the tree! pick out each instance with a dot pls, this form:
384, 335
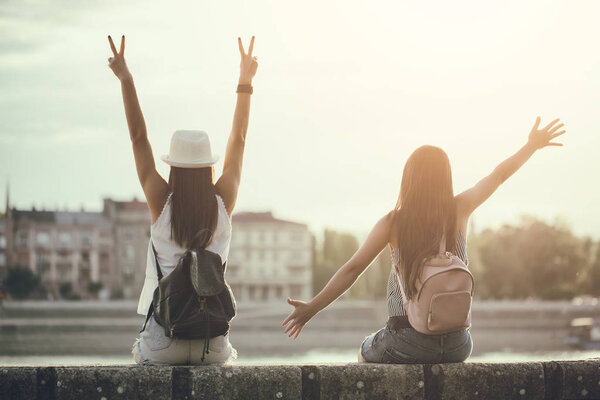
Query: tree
531, 259
94, 288
21, 282
337, 248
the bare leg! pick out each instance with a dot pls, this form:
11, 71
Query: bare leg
360, 357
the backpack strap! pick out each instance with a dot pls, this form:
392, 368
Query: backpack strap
160, 276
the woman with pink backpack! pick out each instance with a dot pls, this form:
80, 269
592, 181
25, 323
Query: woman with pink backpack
429, 288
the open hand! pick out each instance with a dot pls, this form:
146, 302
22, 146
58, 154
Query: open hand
117, 62
249, 64
540, 138
298, 318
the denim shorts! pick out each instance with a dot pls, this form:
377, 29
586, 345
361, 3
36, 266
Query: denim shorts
407, 346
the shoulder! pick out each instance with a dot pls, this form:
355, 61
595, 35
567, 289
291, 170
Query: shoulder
385, 224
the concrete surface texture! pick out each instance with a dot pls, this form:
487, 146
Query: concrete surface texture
536, 380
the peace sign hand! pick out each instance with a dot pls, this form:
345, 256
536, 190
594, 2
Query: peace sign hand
248, 65
540, 138
117, 62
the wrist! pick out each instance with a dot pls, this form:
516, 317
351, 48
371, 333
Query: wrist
314, 308
126, 78
244, 81
530, 147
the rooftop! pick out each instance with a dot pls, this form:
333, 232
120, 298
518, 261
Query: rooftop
262, 217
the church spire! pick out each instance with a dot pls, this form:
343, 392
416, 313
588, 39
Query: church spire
7, 199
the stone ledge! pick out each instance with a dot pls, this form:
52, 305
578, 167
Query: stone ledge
552, 380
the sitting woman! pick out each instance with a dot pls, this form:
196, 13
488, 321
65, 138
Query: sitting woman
188, 210
428, 221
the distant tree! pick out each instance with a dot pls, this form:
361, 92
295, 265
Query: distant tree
66, 291
337, 248
373, 282
21, 282
532, 259
591, 279
94, 288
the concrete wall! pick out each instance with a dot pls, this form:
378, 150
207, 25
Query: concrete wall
540, 380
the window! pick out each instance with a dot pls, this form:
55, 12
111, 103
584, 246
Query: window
2, 242
64, 239
128, 274
295, 291
86, 239
23, 238
43, 270
2, 259
42, 239
129, 252
42, 259
64, 272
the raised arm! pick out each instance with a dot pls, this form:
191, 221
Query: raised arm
155, 187
343, 279
229, 182
472, 198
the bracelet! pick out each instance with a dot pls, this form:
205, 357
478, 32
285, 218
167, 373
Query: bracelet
245, 89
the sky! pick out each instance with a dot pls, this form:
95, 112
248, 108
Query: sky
344, 92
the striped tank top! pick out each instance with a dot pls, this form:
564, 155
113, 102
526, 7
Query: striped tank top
394, 294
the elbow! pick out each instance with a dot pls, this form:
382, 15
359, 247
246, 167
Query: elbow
138, 137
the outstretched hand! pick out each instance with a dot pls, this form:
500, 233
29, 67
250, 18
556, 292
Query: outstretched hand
540, 138
117, 62
298, 318
248, 64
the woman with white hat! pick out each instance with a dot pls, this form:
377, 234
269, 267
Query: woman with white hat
188, 210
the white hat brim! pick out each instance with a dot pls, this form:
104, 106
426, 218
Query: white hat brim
190, 164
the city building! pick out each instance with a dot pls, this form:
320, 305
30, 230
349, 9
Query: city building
131, 231
5, 239
269, 258
104, 253
62, 247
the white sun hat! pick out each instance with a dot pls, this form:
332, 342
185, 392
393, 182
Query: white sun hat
190, 149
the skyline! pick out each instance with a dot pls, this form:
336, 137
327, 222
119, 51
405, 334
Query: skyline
344, 92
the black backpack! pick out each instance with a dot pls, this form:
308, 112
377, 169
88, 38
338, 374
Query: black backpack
193, 301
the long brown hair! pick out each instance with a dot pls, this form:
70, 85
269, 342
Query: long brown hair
425, 212
193, 206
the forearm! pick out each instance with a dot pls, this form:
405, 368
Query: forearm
341, 281
512, 164
133, 111
241, 117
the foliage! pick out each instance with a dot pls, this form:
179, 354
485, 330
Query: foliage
66, 291
94, 287
21, 282
533, 259
529, 259
337, 248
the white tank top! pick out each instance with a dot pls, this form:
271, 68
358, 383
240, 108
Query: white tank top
168, 251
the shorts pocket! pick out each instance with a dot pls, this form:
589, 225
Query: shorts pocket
394, 356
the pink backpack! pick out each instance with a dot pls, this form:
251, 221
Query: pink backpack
443, 300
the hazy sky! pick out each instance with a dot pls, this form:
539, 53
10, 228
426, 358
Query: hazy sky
345, 91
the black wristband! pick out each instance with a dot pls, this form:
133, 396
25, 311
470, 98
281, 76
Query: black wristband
245, 89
